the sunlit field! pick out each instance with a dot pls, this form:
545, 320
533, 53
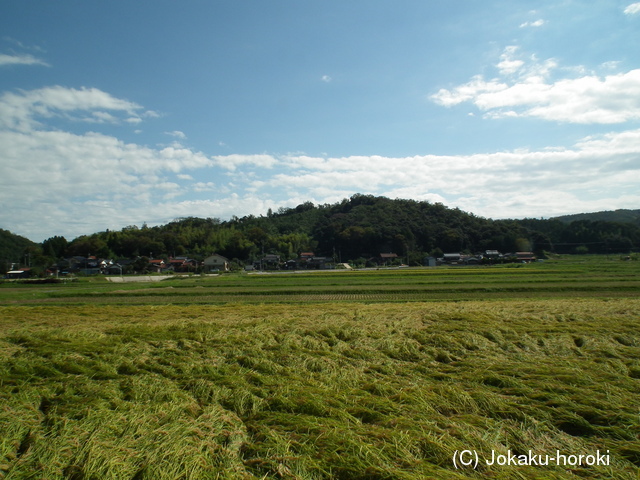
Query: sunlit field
337, 375
581, 276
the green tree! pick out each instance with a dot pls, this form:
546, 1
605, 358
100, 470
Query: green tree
89, 245
582, 250
55, 247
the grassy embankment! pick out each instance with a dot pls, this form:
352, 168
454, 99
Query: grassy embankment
322, 390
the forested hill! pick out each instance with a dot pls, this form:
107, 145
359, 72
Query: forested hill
362, 226
13, 248
619, 216
359, 227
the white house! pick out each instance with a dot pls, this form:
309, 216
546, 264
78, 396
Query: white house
216, 263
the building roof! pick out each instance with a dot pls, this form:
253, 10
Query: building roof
215, 255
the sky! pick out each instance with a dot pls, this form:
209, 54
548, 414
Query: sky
128, 113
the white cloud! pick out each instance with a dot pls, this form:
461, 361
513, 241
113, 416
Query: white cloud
21, 110
535, 23
232, 162
467, 92
225, 207
204, 186
101, 117
508, 64
23, 59
89, 182
62, 171
40, 169
611, 65
588, 99
177, 134
632, 9
595, 172
326, 78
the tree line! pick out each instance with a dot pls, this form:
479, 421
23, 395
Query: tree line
351, 230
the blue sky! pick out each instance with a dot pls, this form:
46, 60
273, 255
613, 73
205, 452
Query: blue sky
122, 113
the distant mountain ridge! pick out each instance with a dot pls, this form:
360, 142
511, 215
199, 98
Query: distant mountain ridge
618, 216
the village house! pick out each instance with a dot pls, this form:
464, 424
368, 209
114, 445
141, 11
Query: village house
525, 257
216, 263
320, 263
386, 259
291, 264
473, 260
86, 265
451, 258
182, 264
304, 259
156, 266
270, 262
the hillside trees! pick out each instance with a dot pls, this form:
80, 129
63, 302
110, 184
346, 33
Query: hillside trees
87, 245
596, 236
358, 227
12, 248
55, 247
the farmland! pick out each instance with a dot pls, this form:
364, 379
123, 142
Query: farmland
592, 276
326, 375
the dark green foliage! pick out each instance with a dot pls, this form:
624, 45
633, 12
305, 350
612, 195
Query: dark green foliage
582, 236
618, 216
362, 226
12, 248
55, 247
353, 230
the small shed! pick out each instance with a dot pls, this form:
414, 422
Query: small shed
430, 262
22, 273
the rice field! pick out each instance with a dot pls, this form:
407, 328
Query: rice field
321, 381
587, 276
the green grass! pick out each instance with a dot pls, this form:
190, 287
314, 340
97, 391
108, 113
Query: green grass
352, 375
593, 276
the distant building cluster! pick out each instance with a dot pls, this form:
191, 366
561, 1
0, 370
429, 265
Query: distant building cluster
92, 265
488, 257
